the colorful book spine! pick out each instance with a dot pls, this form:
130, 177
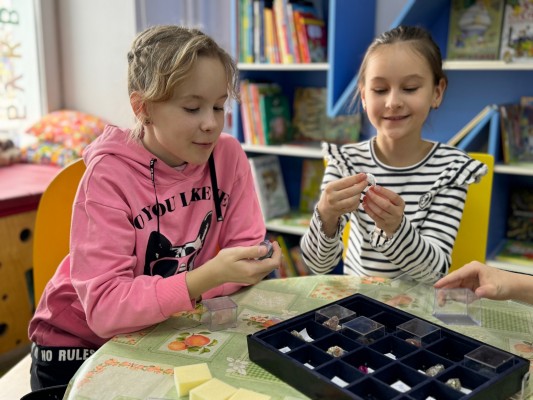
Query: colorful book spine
303, 46
258, 31
293, 35
245, 113
280, 12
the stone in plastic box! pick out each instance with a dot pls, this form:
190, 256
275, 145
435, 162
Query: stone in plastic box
221, 313
457, 306
342, 313
363, 329
418, 332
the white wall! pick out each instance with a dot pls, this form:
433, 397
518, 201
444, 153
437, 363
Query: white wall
95, 37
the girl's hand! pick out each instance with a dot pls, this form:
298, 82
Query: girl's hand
340, 197
385, 207
240, 264
233, 265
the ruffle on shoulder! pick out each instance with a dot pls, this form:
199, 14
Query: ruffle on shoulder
464, 172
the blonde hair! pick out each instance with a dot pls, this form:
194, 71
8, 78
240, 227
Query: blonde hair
421, 42
161, 57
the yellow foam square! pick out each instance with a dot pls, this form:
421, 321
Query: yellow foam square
213, 389
187, 377
245, 394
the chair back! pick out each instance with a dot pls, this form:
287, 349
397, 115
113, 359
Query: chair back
52, 225
471, 241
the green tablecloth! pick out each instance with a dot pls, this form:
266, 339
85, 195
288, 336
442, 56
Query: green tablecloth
140, 365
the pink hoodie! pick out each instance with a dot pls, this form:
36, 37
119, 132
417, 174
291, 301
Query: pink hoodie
128, 260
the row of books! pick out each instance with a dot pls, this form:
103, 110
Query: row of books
268, 117
272, 193
265, 113
516, 130
281, 31
274, 202
491, 30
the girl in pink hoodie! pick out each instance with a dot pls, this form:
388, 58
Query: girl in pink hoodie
165, 214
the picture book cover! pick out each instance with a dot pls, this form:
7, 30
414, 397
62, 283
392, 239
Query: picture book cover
520, 220
516, 126
275, 118
517, 31
312, 173
475, 29
257, 90
311, 123
516, 252
316, 35
269, 185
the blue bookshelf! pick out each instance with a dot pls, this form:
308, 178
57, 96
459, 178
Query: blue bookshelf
472, 86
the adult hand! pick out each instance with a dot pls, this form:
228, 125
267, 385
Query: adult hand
385, 208
484, 281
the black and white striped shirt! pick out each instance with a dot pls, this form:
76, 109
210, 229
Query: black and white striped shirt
434, 192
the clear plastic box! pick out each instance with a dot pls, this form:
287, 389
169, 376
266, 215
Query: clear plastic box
363, 329
458, 306
221, 313
334, 316
418, 333
487, 360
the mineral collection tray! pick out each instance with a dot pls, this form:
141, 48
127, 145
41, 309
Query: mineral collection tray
360, 348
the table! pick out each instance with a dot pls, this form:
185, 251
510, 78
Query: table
140, 365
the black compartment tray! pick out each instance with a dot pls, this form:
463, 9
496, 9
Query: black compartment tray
391, 367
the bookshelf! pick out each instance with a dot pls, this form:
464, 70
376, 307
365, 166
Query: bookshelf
487, 82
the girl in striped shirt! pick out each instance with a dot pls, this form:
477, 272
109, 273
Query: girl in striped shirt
402, 194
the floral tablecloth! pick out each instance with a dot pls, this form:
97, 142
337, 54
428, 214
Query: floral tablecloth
140, 365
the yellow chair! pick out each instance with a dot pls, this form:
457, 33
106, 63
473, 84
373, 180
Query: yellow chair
471, 241
52, 225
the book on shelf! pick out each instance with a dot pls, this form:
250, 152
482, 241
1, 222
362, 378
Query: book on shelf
515, 252
275, 118
297, 259
315, 36
520, 219
287, 263
474, 31
269, 185
312, 124
516, 122
271, 39
246, 113
312, 174
257, 91
259, 31
282, 31
517, 31
246, 40
465, 130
